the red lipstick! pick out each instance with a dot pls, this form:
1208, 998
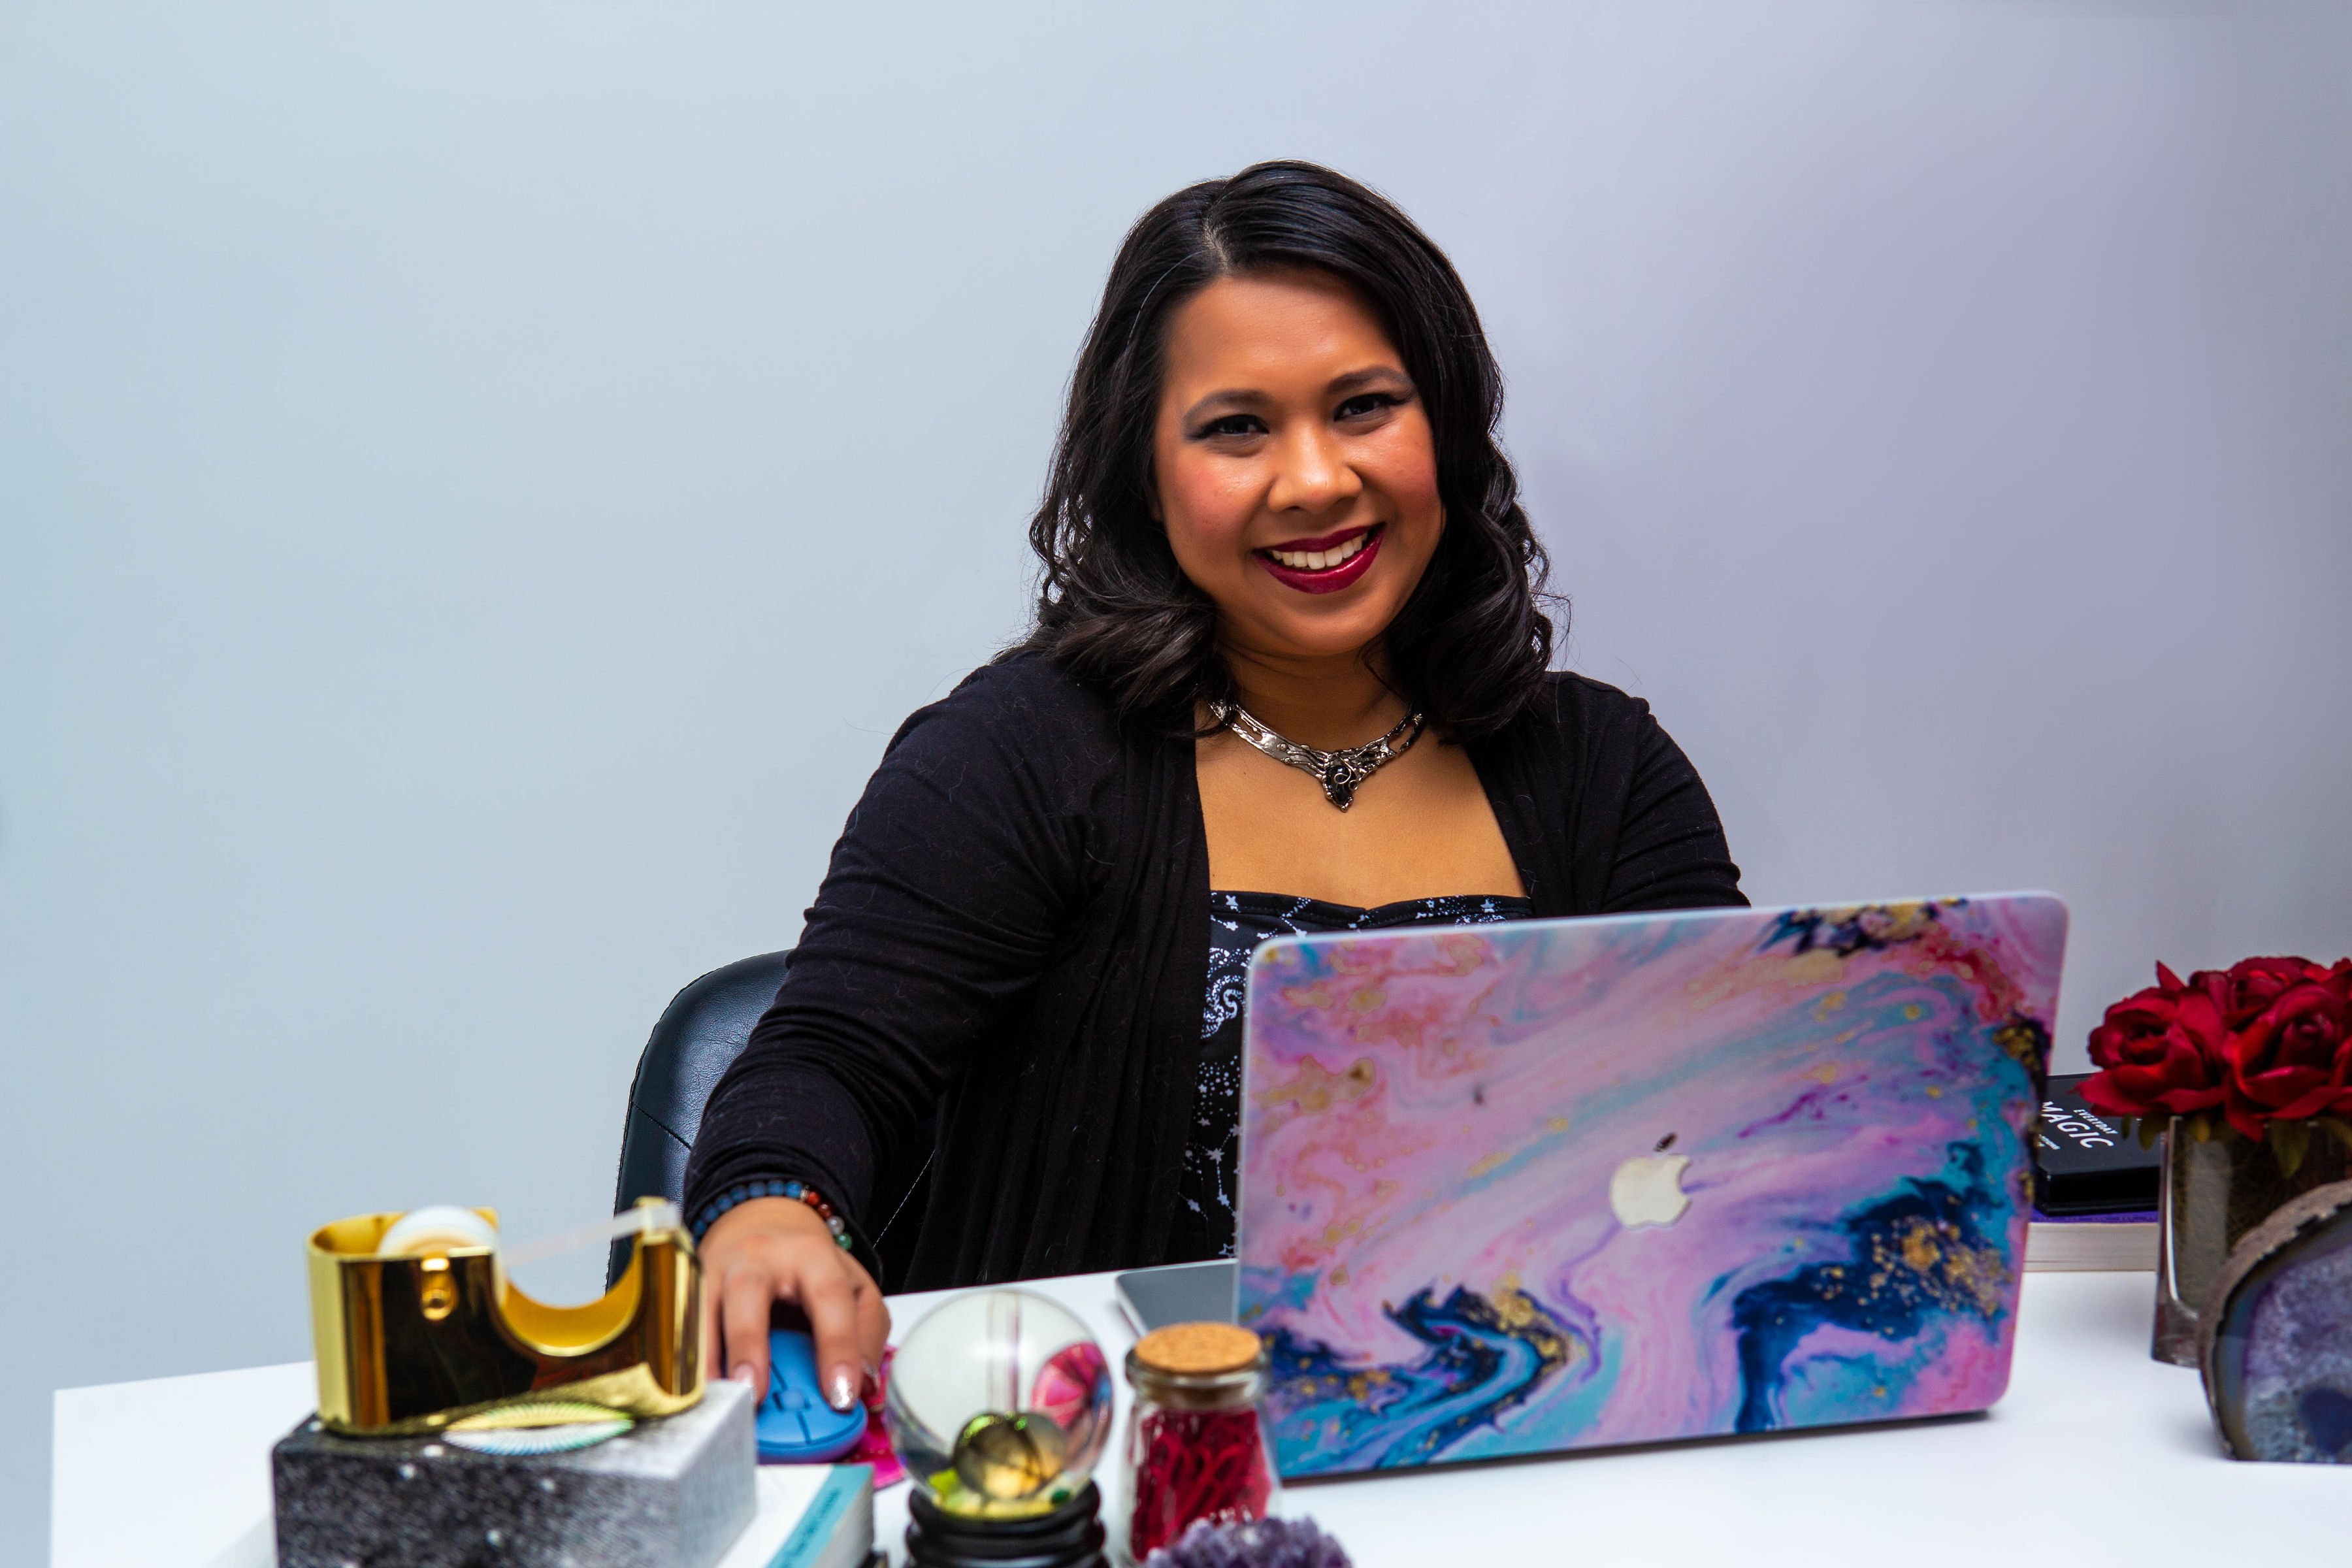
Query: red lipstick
1327, 579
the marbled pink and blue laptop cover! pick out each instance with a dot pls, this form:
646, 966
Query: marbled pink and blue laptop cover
1431, 1119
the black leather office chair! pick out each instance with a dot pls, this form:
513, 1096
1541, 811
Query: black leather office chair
698, 1038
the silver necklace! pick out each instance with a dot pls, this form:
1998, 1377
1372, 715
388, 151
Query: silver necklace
1340, 774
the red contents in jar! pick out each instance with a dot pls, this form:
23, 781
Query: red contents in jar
1196, 1464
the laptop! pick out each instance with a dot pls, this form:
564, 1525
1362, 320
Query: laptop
1556, 1185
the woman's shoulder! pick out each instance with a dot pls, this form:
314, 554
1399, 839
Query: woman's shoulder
1576, 710
1587, 730
1025, 689
1024, 710
1573, 693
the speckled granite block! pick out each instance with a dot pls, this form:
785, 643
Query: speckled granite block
668, 1494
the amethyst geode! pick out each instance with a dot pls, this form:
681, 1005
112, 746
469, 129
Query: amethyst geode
1260, 1543
2277, 1335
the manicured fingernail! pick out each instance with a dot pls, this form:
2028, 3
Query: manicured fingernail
842, 1391
742, 1373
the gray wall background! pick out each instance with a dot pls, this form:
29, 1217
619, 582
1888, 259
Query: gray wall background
479, 485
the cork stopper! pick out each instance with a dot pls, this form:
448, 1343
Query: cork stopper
1198, 1350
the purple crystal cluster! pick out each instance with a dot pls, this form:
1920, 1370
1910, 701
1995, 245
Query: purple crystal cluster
1260, 1543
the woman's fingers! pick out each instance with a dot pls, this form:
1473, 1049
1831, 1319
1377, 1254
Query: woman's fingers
778, 1249
749, 1289
830, 1300
873, 1322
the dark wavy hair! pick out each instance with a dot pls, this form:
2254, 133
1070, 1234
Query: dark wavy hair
1470, 645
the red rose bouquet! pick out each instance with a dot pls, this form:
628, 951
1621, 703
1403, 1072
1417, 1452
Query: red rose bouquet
2266, 1046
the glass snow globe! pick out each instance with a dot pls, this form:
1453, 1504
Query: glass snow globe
998, 1404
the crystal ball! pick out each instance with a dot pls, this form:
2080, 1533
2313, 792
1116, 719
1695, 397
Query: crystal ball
1000, 1403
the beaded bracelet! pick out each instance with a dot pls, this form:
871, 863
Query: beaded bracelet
744, 1192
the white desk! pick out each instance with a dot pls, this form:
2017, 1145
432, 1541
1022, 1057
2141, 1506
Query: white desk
2098, 1455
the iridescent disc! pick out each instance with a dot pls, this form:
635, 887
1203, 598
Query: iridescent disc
516, 1442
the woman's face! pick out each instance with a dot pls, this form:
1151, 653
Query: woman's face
1295, 470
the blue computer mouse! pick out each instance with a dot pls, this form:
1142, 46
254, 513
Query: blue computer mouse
795, 1423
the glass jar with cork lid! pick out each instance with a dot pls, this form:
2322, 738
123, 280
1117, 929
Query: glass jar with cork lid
1197, 1445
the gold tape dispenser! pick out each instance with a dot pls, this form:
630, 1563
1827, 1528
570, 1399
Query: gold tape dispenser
418, 1328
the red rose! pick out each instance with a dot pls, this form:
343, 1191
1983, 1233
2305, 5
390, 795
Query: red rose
2159, 1052
2245, 991
2293, 1060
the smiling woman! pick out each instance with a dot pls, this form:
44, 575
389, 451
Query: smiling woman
1289, 672
1283, 410
1283, 361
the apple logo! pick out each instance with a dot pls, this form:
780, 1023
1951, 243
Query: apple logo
1648, 1188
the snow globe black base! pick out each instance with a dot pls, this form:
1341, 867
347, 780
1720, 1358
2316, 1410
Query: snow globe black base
1069, 1537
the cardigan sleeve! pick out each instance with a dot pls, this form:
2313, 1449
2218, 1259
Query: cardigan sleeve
1615, 815
960, 870
1670, 852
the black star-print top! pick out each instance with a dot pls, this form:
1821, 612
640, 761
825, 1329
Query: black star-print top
1238, 923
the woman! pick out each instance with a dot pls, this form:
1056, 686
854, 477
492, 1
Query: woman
1289, 672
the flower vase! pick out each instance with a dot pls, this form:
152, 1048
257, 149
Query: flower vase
2215, 1189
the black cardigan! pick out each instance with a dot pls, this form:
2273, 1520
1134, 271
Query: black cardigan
1007, 960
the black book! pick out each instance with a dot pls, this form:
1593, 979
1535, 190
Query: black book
2088, 1162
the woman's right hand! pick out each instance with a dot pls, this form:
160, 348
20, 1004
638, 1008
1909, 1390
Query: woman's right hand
778, 1249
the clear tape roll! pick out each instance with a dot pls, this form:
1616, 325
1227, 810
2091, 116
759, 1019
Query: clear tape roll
437, 1227
446, 1228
